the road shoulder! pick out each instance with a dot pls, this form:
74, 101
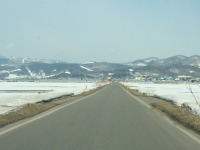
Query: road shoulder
149, 101
31, 112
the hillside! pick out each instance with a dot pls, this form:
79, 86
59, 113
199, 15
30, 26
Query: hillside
16, 68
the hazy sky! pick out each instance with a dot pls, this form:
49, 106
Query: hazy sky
99, 30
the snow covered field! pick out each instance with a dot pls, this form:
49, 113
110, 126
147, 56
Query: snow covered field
178, 93
14, 94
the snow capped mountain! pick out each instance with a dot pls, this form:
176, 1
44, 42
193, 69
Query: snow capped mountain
143, 62
24, 60
150, 59
18, 67
170, 61
192, 61
104, 66
4, 60
175, 60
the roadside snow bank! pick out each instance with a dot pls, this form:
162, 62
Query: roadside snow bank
178, 93
15, 94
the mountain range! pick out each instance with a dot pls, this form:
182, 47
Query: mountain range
17, 68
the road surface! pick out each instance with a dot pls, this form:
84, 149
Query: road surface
111, 119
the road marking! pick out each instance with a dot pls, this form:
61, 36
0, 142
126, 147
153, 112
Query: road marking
168, 120
188, 134
37, 117
182, 128
44, 114
137, 98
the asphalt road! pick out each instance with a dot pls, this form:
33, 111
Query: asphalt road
108, 120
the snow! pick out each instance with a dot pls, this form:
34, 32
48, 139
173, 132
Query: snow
178, 93
150, 60
141, 64
137, 64
131, 70
13, 100
130, 64
191, 71
5, 71
12, 76
29, 71
67, 72
6, 109
16, 70
86, 68
9, 65
15, 76
23, 60
90, 62
110, 74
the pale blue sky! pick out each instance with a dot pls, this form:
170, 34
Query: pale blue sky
99, 30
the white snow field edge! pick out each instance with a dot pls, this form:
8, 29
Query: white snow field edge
178, 93
11, 101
